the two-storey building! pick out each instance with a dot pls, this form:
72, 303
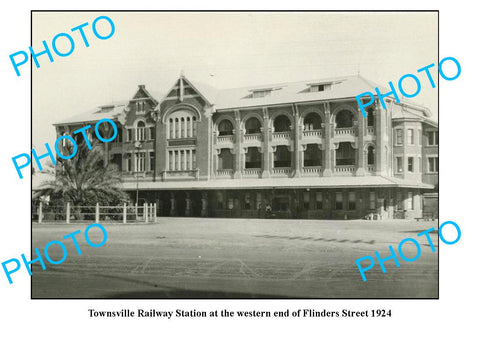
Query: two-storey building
292, 150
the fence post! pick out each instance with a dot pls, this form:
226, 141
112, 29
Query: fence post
124, 212
68, 212
155, 212
145, 212
97, 213
40, 212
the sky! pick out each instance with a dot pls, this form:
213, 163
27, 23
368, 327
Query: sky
225, 50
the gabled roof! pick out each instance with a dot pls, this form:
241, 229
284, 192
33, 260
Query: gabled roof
105, 111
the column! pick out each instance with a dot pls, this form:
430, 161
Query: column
380, 116
360, 151
238, 146
204, 212
266, 168
188, 204
328, 128
297, 132
173, 207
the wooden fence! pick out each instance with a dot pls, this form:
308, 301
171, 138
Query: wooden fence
146, 213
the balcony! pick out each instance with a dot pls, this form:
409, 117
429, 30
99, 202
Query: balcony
225, 139
371, 168
180, 174
349, 131
282, 172
344, 170
256, 137
312, 170
313, 134
370, 130
225, 173
282, 136
252, 173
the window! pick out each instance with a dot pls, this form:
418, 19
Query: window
338, 201
320, 87
152, 161
410, 137
372, 200
140, 162
151, 133
225, 128
409, 201
306, 200
312, 122
225, 160
370, 117
182, 127
433, 164
253, 158
140, 131
410, 164
261, 93
170, 129
140, 106
399, 164
128, 135
319, 200
351, 201
128, 162
282, 157
344, 119
171, 160
432, 138
177, 160
189, 154
189, 127
399, 137
312, 155
182, 159
252, 125
370, 155
281, 124
345, 154
194, 160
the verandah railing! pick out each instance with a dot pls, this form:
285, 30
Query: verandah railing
95, 213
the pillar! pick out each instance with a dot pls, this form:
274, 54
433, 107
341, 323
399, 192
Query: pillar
67, 213
361, 123
297, 136
173, 207
238, 146
188, 204
328, 128
204, 212
266, 167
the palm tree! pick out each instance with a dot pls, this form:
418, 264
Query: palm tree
83, 180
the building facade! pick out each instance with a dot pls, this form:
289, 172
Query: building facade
293, 150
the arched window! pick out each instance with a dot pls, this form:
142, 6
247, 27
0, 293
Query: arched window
371, 155
182, 124
140, 131
312, 122
189, 128
345, 154
281, 124
171, 128
252, 125
344, 119
225, 128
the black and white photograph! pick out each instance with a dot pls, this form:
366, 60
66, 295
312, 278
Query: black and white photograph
226, 155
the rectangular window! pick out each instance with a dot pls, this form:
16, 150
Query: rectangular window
128, 135
409, 201
182, 159
152, 161
338, 201
128, 162
140, 162
189, 152
432, 138
410, 137
410, 164
433, 164
319, 200
170, 161
399, 137
194, 160
171, 131
399, 164
372, 200
351, 201
306, 200
177, 160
